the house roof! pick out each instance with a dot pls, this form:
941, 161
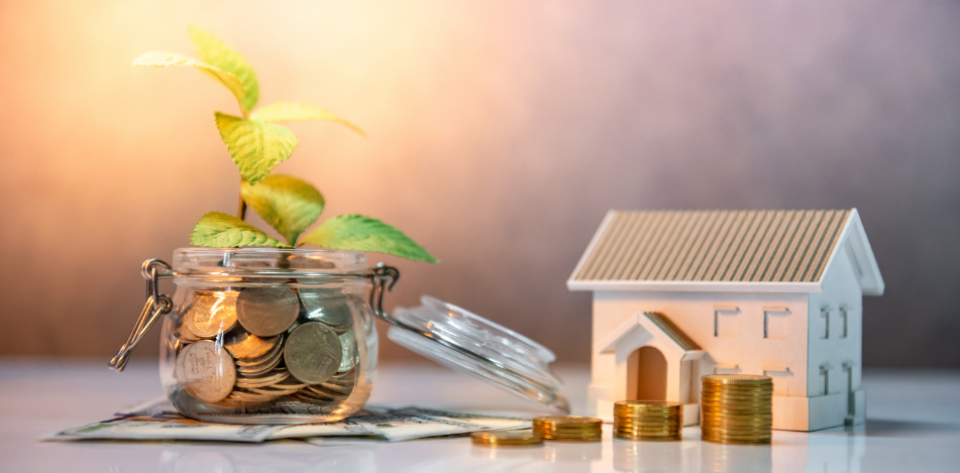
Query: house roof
658, 325
751, 250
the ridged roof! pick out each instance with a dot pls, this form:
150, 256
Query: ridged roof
727, 246
681, 339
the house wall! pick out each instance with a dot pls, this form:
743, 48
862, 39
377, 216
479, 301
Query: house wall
842, 353
783, 359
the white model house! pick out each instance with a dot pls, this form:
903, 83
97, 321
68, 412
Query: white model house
678, 295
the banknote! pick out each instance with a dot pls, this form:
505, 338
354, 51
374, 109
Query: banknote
158, 420
404, 424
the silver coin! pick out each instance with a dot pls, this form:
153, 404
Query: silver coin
262, 381
312, 353
182, 332
206, 371
267, 311
348, 341
326, 305
212, 312
262, 365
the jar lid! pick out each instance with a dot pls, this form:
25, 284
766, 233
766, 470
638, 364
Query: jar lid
473, 345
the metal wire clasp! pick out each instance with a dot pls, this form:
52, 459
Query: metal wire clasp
156, 305
384, 278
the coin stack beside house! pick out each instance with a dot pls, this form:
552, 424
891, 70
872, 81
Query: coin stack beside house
568, 428
647, 420
259, 344
736, 409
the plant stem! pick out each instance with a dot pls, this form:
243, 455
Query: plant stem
242, 209
241, 206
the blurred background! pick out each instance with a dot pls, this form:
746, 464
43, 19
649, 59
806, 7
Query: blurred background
499, 134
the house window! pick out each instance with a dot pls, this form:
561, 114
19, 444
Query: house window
726, 323
781, 375
775, 322
844, 319
726, 368
825, 317
825, 372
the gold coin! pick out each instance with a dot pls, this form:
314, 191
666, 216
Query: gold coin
729, 441
664, 431
738, 379
506, 439
642, 404
735, 437
748, 394
729, 395
737, 400
597, 438
742, 429
621, 425
313, 353
262, 381
206, 371
732, 425
212, 312
244, 345
267, 311
568, 421
734, 409
658, 417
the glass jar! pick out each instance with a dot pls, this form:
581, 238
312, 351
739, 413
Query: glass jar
284, 336
268, 336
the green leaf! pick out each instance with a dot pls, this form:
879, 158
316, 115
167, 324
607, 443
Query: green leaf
286, 203
168, 59
255, 146
356, 232
288, 111
219, 230
214, 51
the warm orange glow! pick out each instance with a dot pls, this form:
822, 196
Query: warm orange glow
499, 134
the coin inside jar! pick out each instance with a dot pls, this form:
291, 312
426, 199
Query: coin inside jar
212, 312
244, 345
206, 371
348, 341
326, 305
267, 311
313, 353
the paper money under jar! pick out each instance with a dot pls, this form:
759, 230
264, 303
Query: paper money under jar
158, 420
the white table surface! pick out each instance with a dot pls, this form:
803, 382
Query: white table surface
913, 425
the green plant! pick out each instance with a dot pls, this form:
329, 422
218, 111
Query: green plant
257, 144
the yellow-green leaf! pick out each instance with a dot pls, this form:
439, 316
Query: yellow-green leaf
356, 232
289, 111
168, 59
214, 51
286, 203
219, 230
255, 146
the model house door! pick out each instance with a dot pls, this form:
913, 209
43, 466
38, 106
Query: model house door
647, 374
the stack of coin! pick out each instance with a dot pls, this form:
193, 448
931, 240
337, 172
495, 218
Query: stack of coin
247, 347
570, 428
647, 420
506, 439
736, 408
